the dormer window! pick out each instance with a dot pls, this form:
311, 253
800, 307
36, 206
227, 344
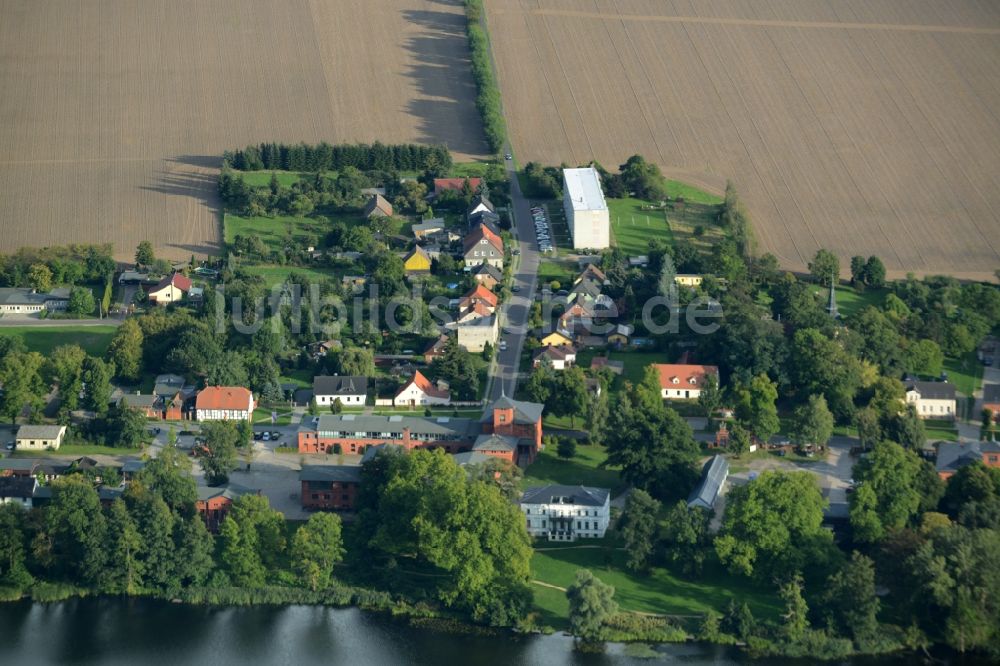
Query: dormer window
675, 380
693, 380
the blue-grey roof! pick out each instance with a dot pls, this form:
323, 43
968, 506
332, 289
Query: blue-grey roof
375, 450
932, 390
713, 476
19, 487
493, 442
340, 385
18, 464
557, 494
133, 466
953, 456
471, 458
230, 491
332, 473
524, 412
443, 426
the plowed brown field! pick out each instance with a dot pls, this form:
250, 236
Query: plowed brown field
862, 126
113, 113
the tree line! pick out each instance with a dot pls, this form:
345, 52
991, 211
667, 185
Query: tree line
471, 558
488, 91
326, 157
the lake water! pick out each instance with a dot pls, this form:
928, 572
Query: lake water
155, 633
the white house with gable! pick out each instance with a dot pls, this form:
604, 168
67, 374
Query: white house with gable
566, 513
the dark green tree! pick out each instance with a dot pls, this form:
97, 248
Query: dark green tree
316, 547
686, 538
638, 529
591, 602
850, 601
218, 454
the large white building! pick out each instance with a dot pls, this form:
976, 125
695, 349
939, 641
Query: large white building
586, 209
566, 513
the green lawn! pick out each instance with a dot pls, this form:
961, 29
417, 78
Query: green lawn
468, 169
582, 469
273, 274
274, 230
850, 301
285, 178
43, 339
632, 228
262, 416
661, 592
302, 378
553, 269
675, 189
965, 372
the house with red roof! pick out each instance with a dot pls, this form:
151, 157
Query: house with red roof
224, 403
479, 294
483, 246
457, 184
419, 391
169, 289
683, 381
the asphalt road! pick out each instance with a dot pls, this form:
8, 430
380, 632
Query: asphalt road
516, 312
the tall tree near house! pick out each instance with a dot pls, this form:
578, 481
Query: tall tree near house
825, 266
255, 512
40, 278
756, 408
218, 457
144, 255
591, 602
888, 488
81, 301
239, 553
13, 572
106, 297
710, 396
77, 528
638, 529
874, 273
869, 430
125, 350
97, 376
316, 547
65, 368
569, 394
857, 271
850, 600
653, 444
124, 574
773, 526
796, 616
907, 428
685, 537
20, 376
739, 441
812, 423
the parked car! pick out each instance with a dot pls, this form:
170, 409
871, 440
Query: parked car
275, 434
503, 345
9, 446
516, 288
257, 436
508, 156
266, 437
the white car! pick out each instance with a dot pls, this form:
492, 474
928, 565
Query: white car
503, 345
266, 437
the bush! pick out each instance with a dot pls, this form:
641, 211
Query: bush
566, 447
635, 627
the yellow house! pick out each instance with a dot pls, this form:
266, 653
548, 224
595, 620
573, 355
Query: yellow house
556, 339
417, 261
688, 280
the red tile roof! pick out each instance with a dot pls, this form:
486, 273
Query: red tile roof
442, 184
224, 397
425, 385
178, 280
686, 375
479, 294
480, 232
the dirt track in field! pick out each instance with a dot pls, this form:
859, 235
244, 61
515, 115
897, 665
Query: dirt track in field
865, 127
114, 112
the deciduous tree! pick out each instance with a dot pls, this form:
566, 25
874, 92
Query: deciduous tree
638, 529
591, 602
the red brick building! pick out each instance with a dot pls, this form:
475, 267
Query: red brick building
330, 486
214, 504
510, 429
